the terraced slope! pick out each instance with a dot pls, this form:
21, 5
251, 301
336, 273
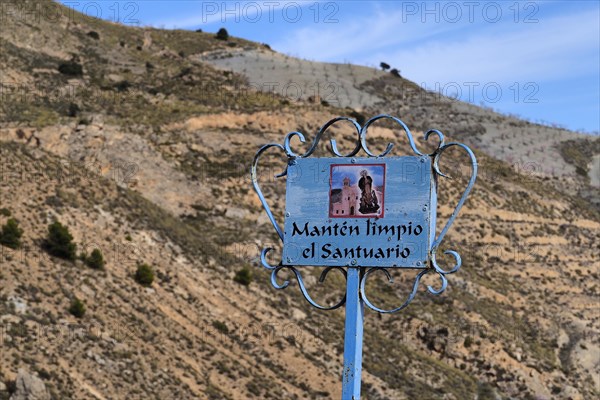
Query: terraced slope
155, 171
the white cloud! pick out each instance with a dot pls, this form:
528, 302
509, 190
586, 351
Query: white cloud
239, 11
504, 52
364, 34
558, 47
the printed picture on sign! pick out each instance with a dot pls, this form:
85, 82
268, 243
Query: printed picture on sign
357, 191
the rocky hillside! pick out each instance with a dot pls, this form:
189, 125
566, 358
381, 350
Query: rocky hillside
139, 141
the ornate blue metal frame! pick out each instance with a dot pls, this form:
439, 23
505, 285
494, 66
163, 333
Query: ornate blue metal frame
356, 276
361, 144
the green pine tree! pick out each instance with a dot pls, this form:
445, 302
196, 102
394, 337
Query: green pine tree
59, 241
144, 275
11, 234
77, 308
95, 260
222, 34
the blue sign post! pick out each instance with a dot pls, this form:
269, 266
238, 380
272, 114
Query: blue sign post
353, 336
359, 215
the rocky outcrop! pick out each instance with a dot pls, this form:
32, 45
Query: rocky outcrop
29, 387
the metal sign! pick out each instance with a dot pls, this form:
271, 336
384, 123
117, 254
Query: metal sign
360, 215
343, 212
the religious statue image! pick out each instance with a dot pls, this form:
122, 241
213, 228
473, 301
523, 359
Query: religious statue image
368, 199
357, 191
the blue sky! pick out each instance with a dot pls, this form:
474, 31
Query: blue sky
537, 59
353, 172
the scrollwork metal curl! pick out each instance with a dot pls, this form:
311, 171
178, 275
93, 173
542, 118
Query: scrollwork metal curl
433, 269
456, 267
436, 243
466, 192
441, 138
390, 146
410, 297
276, 268
263, 259
442, 273
317, 139
303, 289
254, 177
